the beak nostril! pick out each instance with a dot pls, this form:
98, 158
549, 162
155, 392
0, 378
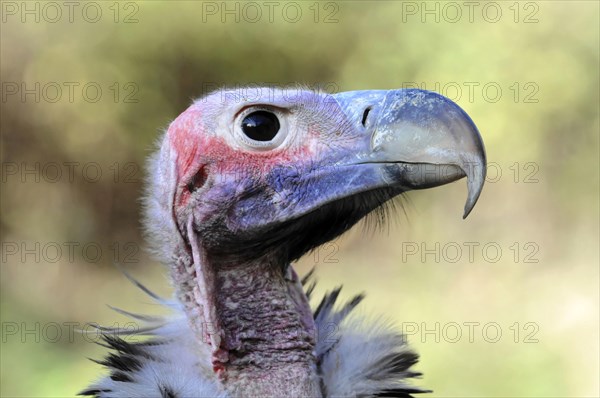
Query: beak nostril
365, 115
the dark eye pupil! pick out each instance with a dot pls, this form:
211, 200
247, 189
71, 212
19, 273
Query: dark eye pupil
260, 126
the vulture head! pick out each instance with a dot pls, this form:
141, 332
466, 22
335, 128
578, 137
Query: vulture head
247, 181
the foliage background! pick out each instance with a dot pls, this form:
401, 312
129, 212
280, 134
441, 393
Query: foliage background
175, 50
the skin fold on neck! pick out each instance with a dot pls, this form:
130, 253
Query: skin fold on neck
257, 321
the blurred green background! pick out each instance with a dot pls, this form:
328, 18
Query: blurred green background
526, 72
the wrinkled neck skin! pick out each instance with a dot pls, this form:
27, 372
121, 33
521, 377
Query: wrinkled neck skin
256, 319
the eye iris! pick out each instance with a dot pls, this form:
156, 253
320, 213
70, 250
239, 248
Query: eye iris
260, 126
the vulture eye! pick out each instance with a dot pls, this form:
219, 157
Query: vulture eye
260, 126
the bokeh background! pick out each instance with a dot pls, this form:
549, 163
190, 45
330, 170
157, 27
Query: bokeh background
73, 168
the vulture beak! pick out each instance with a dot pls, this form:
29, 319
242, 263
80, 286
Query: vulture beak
419, 139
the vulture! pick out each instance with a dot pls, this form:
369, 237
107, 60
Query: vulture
243, 183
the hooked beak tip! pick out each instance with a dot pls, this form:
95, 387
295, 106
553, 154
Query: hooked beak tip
475, 172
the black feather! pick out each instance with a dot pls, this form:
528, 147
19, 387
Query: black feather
395, 366
122, 377
166, 392
129, 349
401, 392
125, 361
95, 392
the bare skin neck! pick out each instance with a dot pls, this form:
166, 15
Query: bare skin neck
257, 321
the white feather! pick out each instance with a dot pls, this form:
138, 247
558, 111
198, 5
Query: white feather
182, 365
